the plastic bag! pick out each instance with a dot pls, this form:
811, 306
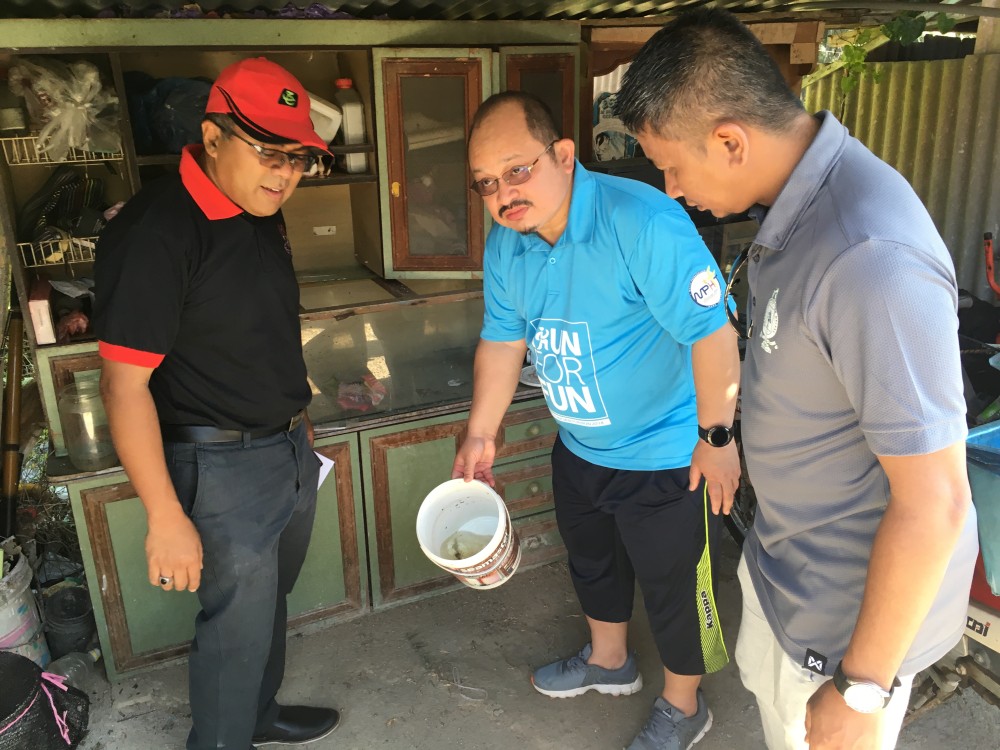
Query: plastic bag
167, 113
67, 104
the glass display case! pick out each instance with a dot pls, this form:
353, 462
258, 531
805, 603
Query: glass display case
390, 361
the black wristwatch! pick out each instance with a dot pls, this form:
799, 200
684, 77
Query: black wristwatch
864, 697
718, 436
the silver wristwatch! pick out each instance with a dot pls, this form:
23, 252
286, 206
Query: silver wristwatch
862, 696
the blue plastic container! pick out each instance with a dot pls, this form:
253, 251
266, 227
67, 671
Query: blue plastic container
984, 477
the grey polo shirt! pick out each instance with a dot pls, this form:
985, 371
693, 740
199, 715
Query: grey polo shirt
853, 355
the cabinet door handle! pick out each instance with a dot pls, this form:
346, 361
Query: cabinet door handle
395, 189
534, 488
535, 430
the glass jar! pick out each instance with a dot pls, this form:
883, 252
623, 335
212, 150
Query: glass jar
85, 427
12, 121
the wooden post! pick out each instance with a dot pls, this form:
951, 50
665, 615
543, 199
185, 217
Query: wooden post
12, 423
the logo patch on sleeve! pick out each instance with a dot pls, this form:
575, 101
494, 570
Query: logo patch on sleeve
705, 289
288, 98
815, 662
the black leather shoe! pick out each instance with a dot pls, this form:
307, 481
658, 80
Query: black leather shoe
297, 725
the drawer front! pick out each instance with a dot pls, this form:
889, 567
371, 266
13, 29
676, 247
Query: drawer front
526, 430
540, 540
526, 486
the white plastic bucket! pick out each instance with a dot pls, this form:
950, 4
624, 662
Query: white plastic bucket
20, 626
326, 117
464, 528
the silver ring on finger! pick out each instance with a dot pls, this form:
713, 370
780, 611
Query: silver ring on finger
166, 580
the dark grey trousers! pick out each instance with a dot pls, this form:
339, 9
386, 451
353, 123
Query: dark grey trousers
253, 504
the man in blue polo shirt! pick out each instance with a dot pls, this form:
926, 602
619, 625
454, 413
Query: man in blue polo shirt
609, 284
856, 573
205, 389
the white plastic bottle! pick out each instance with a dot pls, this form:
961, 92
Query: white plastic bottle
352, 126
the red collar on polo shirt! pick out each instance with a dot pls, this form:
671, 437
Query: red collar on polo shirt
212, 201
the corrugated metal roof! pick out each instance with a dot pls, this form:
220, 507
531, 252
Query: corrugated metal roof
416, 9
938, 123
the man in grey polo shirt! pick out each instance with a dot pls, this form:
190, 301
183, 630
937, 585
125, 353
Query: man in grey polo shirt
860, 561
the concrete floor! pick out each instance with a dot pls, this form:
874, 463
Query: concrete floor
451, 673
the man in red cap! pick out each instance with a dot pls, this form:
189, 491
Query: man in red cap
205, 388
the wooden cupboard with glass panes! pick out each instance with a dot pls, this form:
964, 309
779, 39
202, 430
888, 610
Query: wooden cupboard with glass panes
433, 225
404, 229
376, 300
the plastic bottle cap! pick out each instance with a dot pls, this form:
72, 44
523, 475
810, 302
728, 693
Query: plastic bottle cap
343, 83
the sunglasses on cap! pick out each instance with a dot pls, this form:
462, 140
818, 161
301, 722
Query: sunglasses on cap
273, 158
516, 175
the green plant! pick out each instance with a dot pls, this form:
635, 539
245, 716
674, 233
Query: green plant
854, 55
905, 28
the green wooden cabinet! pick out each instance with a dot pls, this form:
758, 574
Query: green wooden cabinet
402, 463
140, 625
548, 72
353, 537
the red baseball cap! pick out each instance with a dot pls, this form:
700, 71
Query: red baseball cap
266, 101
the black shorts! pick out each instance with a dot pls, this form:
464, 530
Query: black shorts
619, 525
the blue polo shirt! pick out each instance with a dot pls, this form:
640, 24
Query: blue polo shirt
610, 313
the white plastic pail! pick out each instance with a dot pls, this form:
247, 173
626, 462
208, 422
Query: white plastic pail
464, 528
20, 626
326, 117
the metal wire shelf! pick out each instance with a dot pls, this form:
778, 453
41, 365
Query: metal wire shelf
22, 150
57, 252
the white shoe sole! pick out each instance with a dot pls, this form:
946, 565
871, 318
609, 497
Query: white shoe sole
327, 733
632, 687
703, 732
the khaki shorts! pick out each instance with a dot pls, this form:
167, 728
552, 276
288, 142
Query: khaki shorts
782, 687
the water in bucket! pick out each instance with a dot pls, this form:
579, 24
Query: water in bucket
464, 544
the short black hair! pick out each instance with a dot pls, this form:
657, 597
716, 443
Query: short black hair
541, 123
702, 69
221, 120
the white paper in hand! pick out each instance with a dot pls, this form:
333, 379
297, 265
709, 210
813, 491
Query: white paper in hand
325, 464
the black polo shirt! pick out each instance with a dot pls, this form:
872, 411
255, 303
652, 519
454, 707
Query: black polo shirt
191, 285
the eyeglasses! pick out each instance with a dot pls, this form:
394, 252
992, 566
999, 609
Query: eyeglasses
743, 331
516, 175
270, 157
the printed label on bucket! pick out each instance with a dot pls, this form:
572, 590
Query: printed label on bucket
497, 568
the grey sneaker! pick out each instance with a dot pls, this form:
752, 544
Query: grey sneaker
669, 729
571, 677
